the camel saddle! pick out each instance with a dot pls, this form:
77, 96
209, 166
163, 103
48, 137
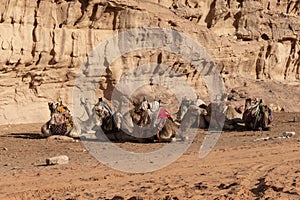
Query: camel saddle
58, 125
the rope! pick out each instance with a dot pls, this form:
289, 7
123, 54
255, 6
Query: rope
256, 117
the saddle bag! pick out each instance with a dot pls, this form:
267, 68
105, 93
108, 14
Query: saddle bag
58, 129
58, 125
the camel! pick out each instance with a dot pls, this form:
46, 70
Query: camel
215, 111
60, 123
257, 115
105, 124
198, 111
94, 121
110, 123
183, 108
132, 123
192, 108
194, 118
160, 123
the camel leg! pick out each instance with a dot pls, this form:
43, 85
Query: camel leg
228, 127
264, 123
181, 136
165, 137
168, 132
45, 131
72, 132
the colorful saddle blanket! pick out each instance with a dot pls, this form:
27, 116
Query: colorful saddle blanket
163, 114
58, 125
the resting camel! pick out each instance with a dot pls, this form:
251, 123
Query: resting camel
215, 111
96, 116
105, 124
204, 114
189, 108
194, 116
257, 115
154, 120
60, 123
110, 124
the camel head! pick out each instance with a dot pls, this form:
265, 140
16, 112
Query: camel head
52, 107
155, 105
102, 111
140, 113
144, 105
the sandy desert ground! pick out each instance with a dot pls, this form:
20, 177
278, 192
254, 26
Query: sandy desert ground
239, 167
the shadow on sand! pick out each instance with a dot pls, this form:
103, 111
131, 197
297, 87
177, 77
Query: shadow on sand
24, 135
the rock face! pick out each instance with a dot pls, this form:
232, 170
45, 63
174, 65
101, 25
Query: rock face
44, 43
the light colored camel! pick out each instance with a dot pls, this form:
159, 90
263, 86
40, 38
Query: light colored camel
215, 111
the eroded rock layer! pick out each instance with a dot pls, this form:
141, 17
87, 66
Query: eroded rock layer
45, 43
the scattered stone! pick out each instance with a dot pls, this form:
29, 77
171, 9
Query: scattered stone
117, 198
57, 160
276, 108
243, 95
4, 148
232, 97
285, 135
62, 138
234, 91
200, 186
263, 139
289, 134
222, 186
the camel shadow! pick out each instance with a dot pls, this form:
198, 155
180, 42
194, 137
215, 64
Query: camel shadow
236, 128
24, 135
115, 139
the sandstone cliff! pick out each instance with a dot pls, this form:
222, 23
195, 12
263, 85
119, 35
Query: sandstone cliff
44, 43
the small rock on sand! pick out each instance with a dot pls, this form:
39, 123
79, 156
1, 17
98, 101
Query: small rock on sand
61, 138
289, 134
57, 160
